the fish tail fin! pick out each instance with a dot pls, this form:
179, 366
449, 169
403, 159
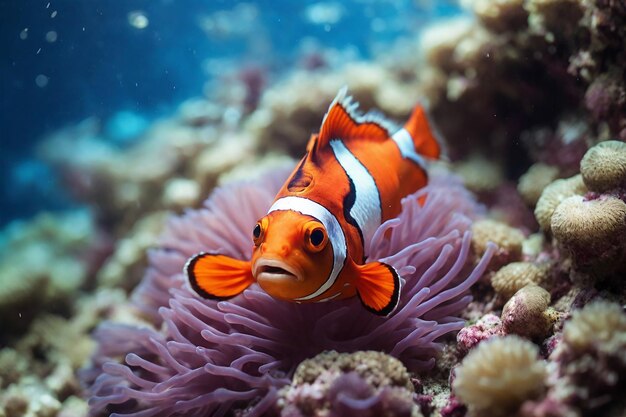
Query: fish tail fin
218, 276
424, 140
378, 287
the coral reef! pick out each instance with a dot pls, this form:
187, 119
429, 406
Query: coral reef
514, 276
590, 364
125, 266
532, 183
586, 214
527, 94
43, 263
593, 231
289, 112
485, 328
254, 342
364, 383
508, 240
553, 195
499, 375
603, 167
528, 314
38, 377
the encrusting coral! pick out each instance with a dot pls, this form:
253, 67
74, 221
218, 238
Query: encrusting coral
496, 377
362, 383
211, 356
485, 328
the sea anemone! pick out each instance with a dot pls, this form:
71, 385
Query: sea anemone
496, 377
206, 357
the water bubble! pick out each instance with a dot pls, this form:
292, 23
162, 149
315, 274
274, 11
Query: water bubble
324, 13
41, 80
53, 14
51, 36
138, 19
24, 34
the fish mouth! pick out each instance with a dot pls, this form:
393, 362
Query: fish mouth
273, 270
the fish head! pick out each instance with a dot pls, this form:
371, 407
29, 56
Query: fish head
292, 256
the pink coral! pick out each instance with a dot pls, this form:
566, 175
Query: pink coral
485, 328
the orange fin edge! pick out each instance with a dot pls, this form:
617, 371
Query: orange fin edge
378, 287
424, 139
343, 122
216, 276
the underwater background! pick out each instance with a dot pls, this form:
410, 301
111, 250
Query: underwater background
128, 64
135, 134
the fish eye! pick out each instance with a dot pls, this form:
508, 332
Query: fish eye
316, 237
256, 233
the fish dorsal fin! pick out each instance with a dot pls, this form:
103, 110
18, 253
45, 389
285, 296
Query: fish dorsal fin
343, 122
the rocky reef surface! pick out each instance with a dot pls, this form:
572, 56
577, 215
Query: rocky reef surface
529, 97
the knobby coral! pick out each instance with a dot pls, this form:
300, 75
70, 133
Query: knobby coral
499, 375
342, 384
208, 357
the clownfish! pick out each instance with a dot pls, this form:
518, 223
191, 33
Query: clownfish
310, 247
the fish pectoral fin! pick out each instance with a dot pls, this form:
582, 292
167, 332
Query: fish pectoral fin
378, 287
218, 276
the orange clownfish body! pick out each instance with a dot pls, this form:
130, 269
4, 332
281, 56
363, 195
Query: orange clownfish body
310, 245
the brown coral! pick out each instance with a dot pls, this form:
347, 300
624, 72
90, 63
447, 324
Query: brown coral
533, 182
512, 277
604, 166
499, 15
379, 368
500, 374
599, 323
593, 231
508, 239
591, 360
365, 383
528, 314
553, 195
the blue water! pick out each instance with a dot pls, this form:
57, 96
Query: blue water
62, 61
